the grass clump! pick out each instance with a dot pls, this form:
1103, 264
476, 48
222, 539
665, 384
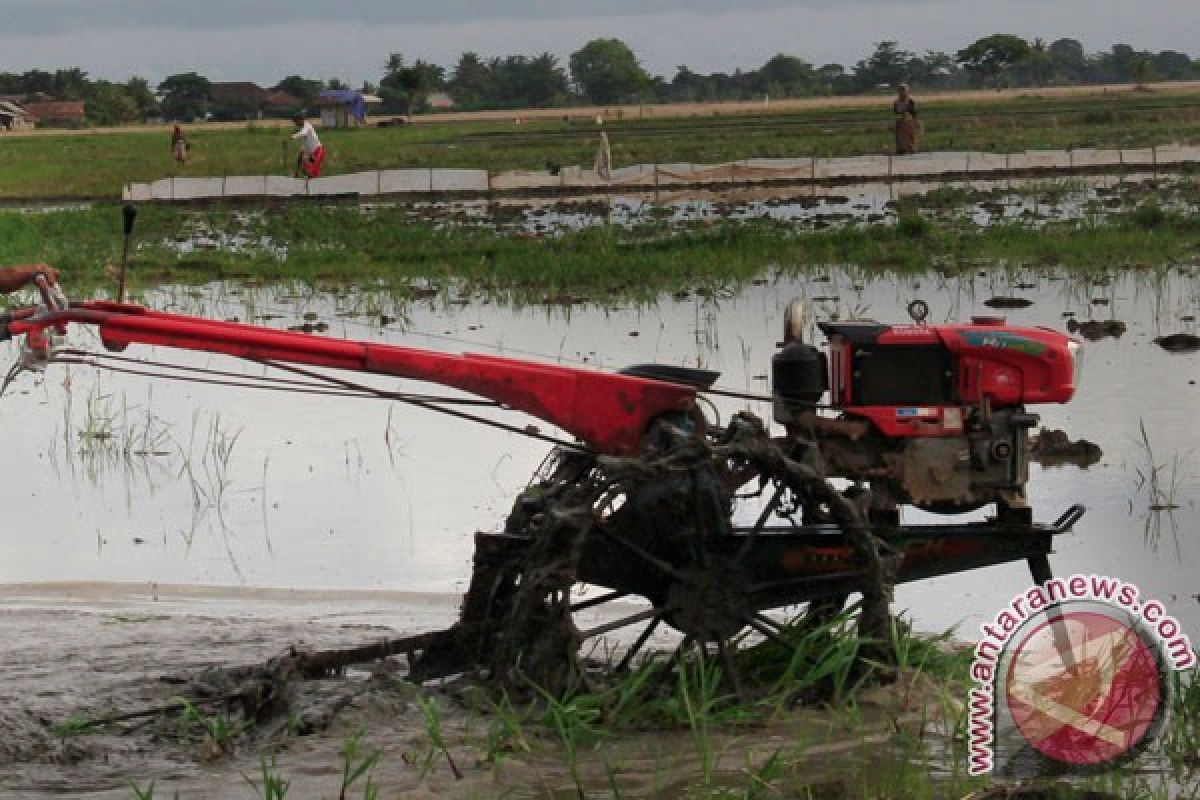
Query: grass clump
911, 225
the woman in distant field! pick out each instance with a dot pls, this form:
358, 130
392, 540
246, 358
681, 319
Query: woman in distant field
179, 145
312, 152
908, 128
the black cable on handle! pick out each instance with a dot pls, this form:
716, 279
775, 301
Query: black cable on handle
332, 387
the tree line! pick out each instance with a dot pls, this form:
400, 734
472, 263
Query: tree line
607, 71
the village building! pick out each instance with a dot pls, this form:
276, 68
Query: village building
345, 108
12, 116
57, 113
441, 101
249, 101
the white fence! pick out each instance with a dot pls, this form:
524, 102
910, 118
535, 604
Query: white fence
650, 176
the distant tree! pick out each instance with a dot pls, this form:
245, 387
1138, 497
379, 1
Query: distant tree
303, 89
139, 92
110, 104
1067, 60
536, 82
787, 76
1038, 63
185, 96
886, 67
404, 88
70, 84
935, 68
472, 84
1117, 65
336, 83
606, 70
1141, 68
687, 85
992, 56
36, 80
1173, 66
833, 78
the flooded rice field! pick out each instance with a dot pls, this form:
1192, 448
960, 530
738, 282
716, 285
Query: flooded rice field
982, 202
123, 478
1030, 203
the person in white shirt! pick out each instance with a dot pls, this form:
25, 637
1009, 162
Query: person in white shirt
312, 152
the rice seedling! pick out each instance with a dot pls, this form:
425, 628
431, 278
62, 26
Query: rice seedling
356, 764
1181, 741
76, 725
574, 720
1152, 477
431, 714
140, 793
761, 779
698, 696
506, 732
272, 785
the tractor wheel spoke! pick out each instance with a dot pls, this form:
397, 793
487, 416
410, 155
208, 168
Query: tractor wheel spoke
640, 552
621, 623
730, 669
639, 644
759, 524
598, 601
770, 623
766, 631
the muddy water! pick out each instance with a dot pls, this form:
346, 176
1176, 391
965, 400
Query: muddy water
127, 479
1031, 201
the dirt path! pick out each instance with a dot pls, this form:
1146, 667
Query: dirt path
76, 651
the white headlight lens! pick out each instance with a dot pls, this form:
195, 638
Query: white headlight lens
1076, 351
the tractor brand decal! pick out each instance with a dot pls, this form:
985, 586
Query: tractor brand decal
903, 413
1003, 340
1075, 675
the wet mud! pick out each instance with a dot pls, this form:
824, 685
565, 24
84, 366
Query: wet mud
81, 689
1094, 330
1054, 448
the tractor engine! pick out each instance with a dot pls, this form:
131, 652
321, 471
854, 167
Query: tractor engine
932, 416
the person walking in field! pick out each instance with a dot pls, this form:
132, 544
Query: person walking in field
179, 145
312, 152
908, 127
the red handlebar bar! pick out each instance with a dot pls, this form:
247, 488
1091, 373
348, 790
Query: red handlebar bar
610, 412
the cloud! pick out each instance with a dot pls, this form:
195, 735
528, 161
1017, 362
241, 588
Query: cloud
42, 17
351, 41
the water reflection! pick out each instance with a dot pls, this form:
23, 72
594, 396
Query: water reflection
122, 478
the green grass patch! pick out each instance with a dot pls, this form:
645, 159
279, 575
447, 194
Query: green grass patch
384, 247
99, 165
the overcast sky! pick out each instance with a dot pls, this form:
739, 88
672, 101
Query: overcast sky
264, 40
